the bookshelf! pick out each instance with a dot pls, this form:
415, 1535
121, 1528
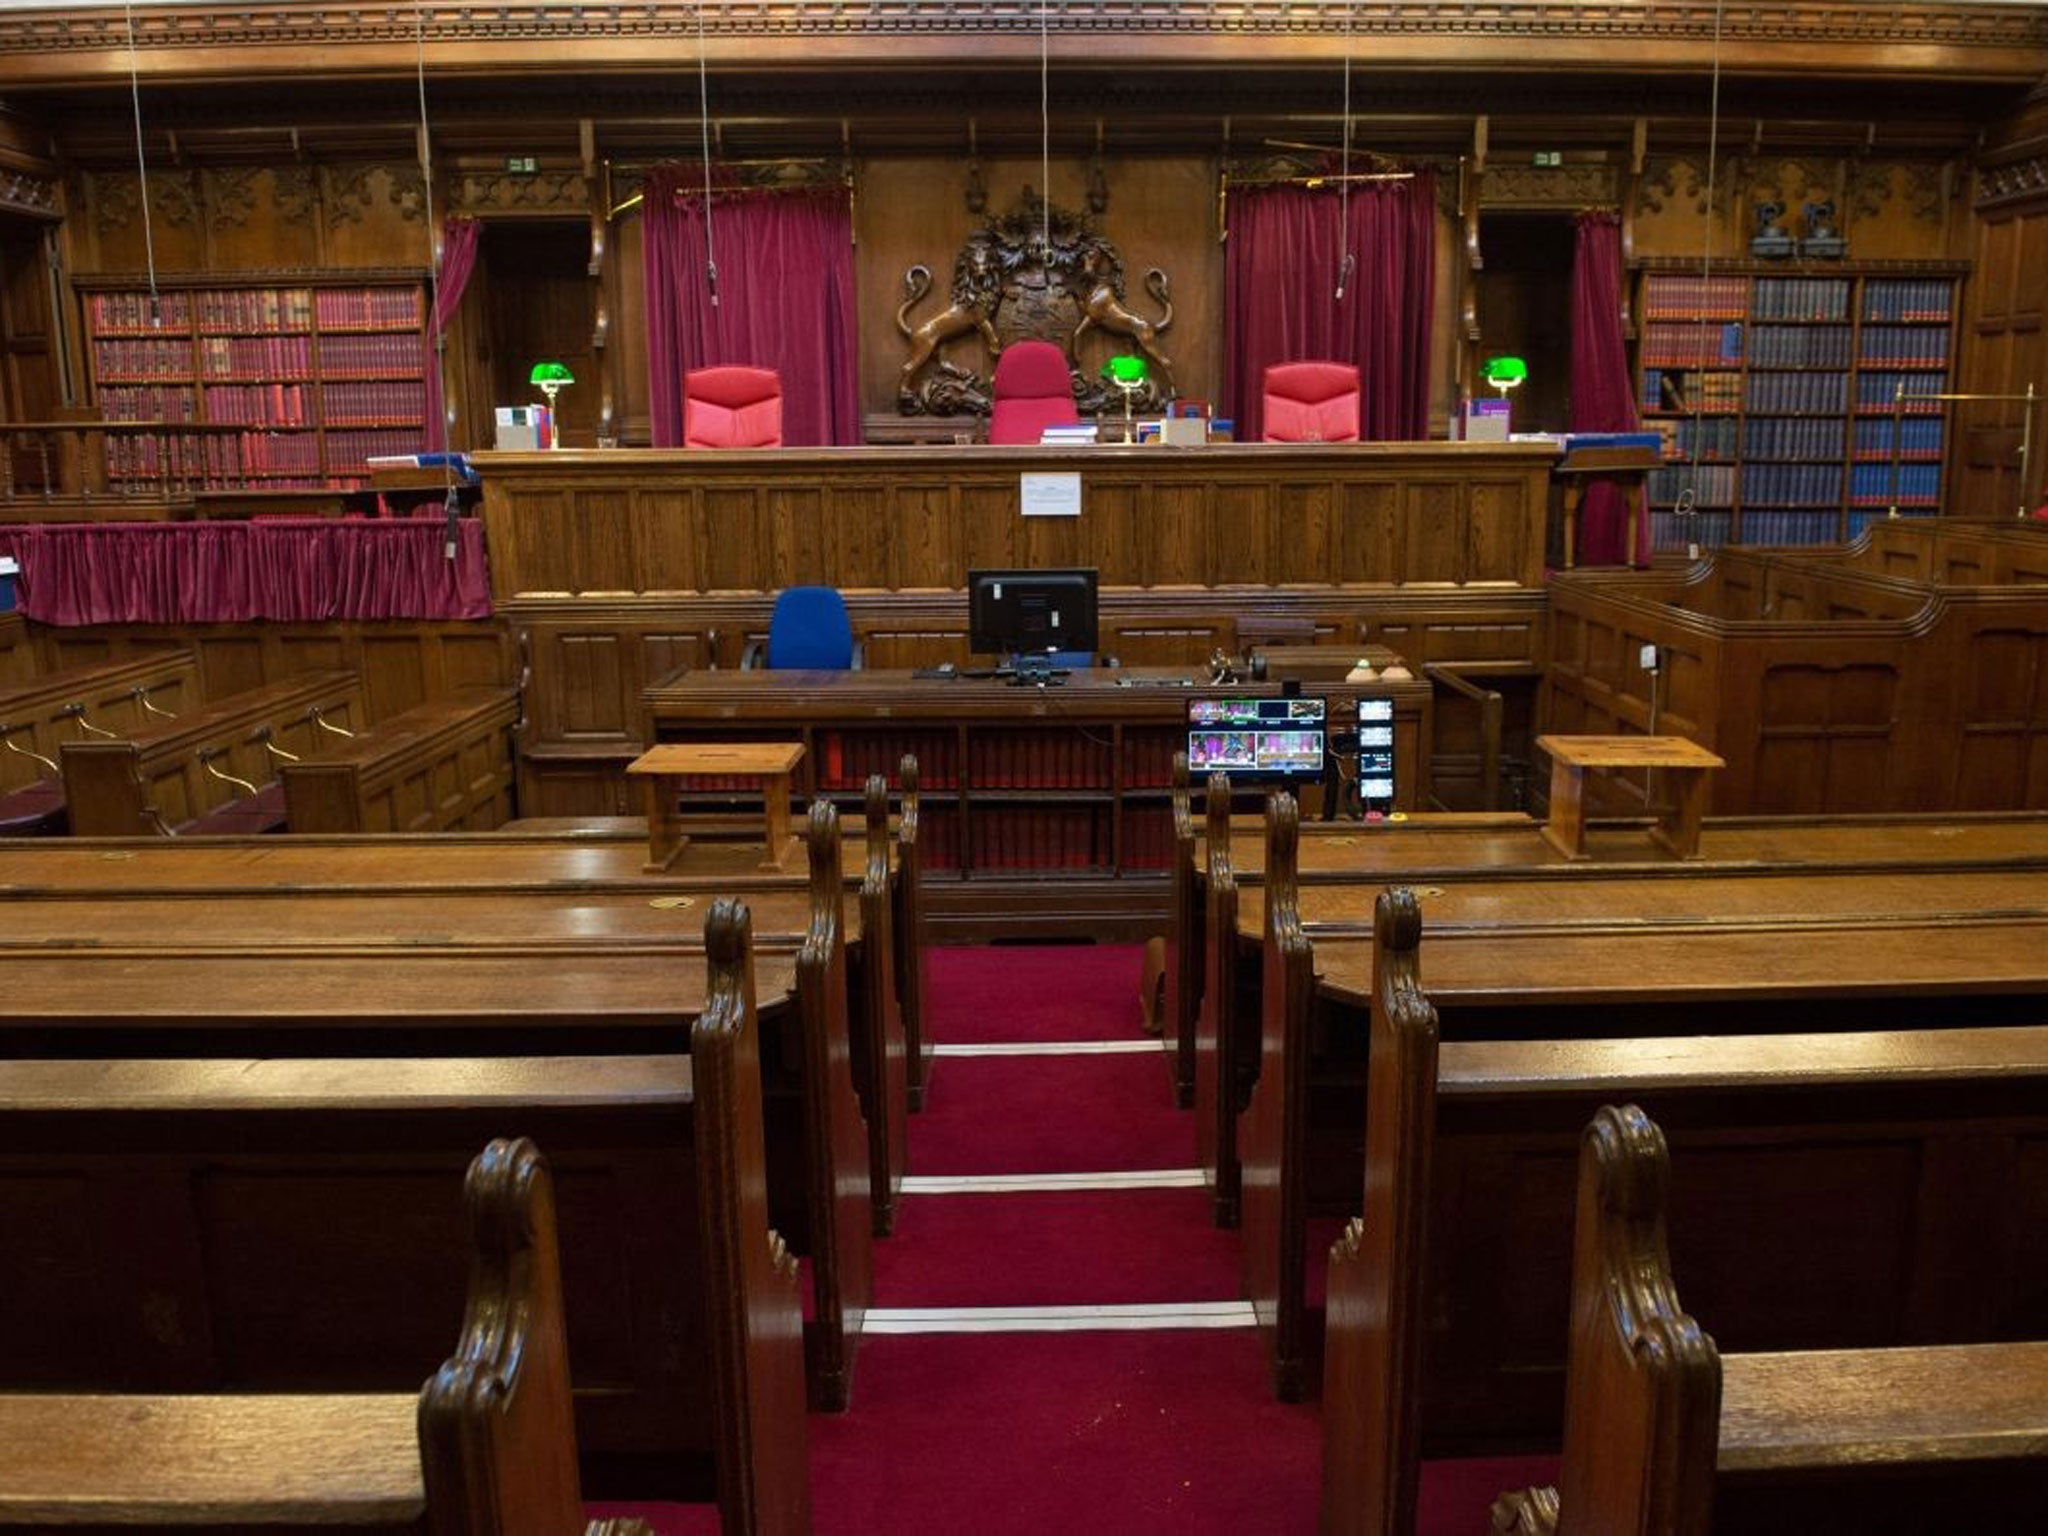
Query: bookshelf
1781, 378
283, 382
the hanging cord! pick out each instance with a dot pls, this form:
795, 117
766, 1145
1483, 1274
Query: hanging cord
1686, 509
1045, 132
704, 132
1344, 257
156, 314
450, 501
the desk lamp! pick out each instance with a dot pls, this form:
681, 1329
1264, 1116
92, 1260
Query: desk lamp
1127, 373
1505, 374
551, 379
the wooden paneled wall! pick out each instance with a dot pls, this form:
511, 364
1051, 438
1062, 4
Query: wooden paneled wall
2004, 350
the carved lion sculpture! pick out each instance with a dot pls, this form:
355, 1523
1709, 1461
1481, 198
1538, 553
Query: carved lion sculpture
1100, 289
977, 289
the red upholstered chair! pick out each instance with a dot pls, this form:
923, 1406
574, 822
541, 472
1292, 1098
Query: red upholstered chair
1311, 403
1033, 391
732, 407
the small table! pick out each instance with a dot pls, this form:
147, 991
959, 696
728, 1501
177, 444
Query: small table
1677, 829
667, 769
1627, 467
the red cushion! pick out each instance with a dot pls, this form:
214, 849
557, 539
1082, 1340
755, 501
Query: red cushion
1033, 390
732, 407
1311, 402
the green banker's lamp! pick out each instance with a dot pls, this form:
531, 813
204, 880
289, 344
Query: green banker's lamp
1127, 373
551, 379
1505, 374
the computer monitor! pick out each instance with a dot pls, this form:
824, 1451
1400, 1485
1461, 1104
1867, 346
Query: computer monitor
1030, 613
1265, 740
1376, 756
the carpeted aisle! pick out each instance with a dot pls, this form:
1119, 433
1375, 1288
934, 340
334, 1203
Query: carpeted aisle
1152, 1419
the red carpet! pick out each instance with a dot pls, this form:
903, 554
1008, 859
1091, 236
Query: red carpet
1050, 1114
1142, 1434
1041, 1249
1025, 992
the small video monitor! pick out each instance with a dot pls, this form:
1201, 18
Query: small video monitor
1031, 613
1270, 740
1376, 756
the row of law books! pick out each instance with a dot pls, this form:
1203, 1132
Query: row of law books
114, 312
1707, 392
351, 450
1792, 437
268, 405
1710, 437
262, 454
1871, 485
846, 759
138, 359
368, 308
1918, 345
1798, 393
1148, 755
147, 402
345, 404
1676, 297
1148, 837
1799, 346
1791, 485
1038, 760
251, 357
1779, 525
1669, 344
1712, 485
254, 309
1906, 392
397, 356
1892, 298
1800, 298
1039, 837
1673, 531
1918, 437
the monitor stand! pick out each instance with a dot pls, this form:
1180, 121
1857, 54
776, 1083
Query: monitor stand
1032, 672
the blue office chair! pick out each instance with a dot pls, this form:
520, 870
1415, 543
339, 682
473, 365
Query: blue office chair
810, 631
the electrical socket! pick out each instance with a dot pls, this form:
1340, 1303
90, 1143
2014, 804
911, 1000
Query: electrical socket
1648, 658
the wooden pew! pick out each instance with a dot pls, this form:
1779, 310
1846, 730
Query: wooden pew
179, 771
1665, 1435
487, 1446
881, 1053
918, 1044
39, 716
1185, 953
467, 974
1447, 1298
1216, 1038
316, 1193
442, 766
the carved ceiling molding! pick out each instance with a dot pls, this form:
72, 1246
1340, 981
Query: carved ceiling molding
230, 192
1549, 186
1975, 29
2016, 181
25, 192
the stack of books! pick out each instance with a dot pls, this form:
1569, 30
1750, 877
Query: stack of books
1078, 435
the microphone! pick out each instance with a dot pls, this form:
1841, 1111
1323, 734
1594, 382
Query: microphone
1344, 270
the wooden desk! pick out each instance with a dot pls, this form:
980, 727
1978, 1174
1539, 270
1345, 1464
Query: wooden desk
1678, 828
667, 770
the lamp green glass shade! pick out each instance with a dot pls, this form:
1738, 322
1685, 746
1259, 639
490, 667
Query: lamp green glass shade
1504, 371
1124, 370
551, 373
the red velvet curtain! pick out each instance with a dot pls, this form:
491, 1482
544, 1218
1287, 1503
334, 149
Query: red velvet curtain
1603, 399
785, 301
287, 568
1280, 296
459, 239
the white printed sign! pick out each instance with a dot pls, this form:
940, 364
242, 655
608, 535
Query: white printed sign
1051, 495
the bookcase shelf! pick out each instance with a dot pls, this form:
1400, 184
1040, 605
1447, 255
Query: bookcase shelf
281, 380
1779, 381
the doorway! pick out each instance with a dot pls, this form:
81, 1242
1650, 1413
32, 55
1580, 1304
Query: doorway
1525, 311
539, 304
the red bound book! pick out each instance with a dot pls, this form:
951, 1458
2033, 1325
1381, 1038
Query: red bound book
835, 759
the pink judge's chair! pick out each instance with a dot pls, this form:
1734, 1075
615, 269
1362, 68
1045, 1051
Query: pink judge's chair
1033, 391
732, 407
1311, 403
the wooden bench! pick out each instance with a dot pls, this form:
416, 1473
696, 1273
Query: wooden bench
39, 716
467, 974
1302, 1133
1666, 1434
1684, 764
1448, 1300
488, 1445
177, 771
318, 1193
442, 766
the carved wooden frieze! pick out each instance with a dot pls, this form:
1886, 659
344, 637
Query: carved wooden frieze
1549, 186
230, 193
26, 192
1671, 180
2015, 181
1036, 273
353, 189
485, 192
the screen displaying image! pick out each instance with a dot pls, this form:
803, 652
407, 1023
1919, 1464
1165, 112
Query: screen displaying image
1275, 738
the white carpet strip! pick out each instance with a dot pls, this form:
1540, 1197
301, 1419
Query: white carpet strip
1036, 1183
1052, 1048
1065, 1319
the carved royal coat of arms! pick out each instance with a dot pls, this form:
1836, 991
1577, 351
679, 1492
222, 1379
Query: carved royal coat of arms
1031, 273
